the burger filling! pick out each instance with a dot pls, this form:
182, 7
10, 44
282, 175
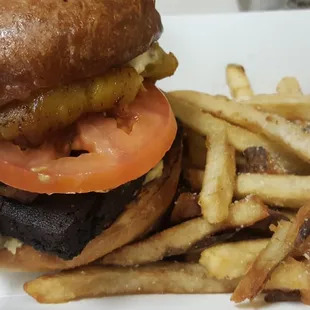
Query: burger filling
72, 158
11, 244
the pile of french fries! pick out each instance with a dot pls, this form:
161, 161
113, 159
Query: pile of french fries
243, 224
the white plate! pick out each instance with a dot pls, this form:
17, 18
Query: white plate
178, 7
270, 46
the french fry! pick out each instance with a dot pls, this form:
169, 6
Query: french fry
193, 255
241, 139
186, 207
221, 97
303, 250
218, 183
99, 281
292, 279
159, 278
273, 296
183, 237
286, 237
289, 85
285, 105
267, 260
278, 190
231, 260
304, 124
273, 126
238, 82
290, 275
291, 107
305, 296
258, 160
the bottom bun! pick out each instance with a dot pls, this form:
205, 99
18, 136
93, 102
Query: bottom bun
141, 214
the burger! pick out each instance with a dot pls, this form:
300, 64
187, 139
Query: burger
89, 147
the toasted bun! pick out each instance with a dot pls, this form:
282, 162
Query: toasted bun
46, 43
139, 216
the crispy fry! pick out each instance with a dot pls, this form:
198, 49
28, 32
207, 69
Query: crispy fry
304, 124
159, 278
279, 190
258, 160
282, 191
292, 278
291, 106
231, 260
186, 207
289, 85
303, 250
96, 281
273, 126
264, 264
218, 183
183, 237
290, 275
305, 296
222, 97
281, 296
286, 237
239, 138
193, 255
238, 82
283, 104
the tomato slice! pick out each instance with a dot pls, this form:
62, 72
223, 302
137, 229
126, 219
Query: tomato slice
115, 156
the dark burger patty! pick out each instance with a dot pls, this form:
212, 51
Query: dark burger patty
64, 224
